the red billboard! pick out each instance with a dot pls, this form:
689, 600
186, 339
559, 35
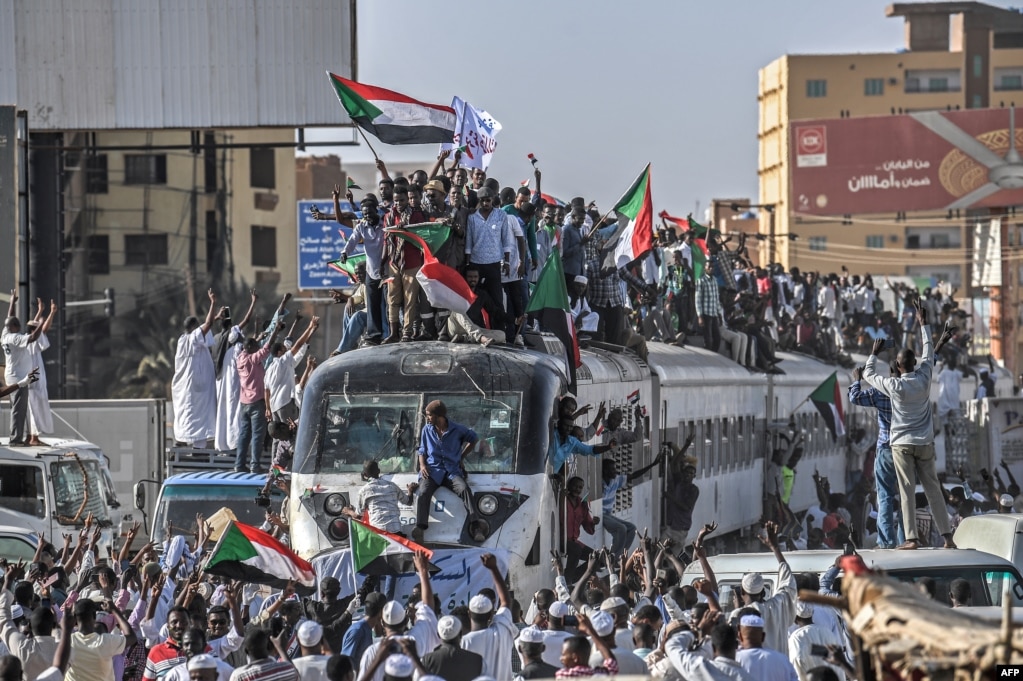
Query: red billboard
928, 160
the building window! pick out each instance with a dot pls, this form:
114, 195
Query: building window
145, 249
264, 246
145, 169
261, 168
978, 102
873, 87
818, 243
816, 88
98, 248
875, 241
937, 85
96, 181
978, 65
1010, 83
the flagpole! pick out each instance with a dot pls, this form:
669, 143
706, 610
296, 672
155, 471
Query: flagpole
357, 127
798, 406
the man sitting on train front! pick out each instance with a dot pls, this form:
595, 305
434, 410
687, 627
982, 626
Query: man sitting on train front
442, 446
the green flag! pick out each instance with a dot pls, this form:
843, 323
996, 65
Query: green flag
434, 234
348, 267
701, 232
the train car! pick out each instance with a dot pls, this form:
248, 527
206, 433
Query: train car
368, 404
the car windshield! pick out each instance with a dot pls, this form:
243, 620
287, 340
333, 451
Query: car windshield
179, 503
71, 478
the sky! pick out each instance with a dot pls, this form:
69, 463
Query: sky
596, 89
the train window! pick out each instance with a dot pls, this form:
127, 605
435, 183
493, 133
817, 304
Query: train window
361, 427
725, 443
710, 436
495, 419
740, 441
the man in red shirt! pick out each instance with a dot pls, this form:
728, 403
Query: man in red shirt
254, 411
576, 514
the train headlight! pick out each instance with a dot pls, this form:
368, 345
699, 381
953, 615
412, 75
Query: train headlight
334, 504
338, 529
487, 504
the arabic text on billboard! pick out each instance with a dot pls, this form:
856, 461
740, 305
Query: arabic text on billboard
929, 160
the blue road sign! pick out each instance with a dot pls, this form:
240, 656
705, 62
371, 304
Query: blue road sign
320, 242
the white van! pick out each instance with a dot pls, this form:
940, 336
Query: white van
985, 572
1000, 534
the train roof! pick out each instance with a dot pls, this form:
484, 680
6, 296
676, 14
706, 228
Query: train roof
697, 366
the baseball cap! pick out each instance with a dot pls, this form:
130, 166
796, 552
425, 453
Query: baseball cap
603, 623
310, 633
436, 185
753, 583
394, 613
399, 665
480, 605
484, 193
558, 609
448, 628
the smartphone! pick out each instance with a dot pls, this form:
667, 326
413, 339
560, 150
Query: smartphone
662, 575
51, 579
819, 651
889, 344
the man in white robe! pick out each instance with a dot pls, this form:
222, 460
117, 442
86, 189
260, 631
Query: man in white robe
40, 419
226, 346
193, 389
585, 319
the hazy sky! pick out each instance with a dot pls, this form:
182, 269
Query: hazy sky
598, 88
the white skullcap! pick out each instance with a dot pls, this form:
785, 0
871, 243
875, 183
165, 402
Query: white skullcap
310, 633
531, 635
612, 603
1006, 500
480, 605
754, 621
394, 613
753, 583
449, 627
804, 610
399, 665
17, 612
558, 609
603, 623
202, 662
580, 279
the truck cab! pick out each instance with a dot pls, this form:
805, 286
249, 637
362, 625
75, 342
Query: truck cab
183, 495
51, 490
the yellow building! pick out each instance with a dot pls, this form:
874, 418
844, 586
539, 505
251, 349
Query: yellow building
164, 214
957, 55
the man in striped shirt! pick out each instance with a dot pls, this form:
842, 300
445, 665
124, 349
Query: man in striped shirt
170, 653
488, 244
575, 654
262, 667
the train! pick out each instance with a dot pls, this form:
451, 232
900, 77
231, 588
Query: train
368, 404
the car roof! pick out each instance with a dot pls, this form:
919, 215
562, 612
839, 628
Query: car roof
14, 529
217, 478
821, 560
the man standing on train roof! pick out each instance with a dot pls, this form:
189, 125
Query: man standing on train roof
443, 445
912, 434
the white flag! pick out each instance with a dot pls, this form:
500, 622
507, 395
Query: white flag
458, 105
476, 133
